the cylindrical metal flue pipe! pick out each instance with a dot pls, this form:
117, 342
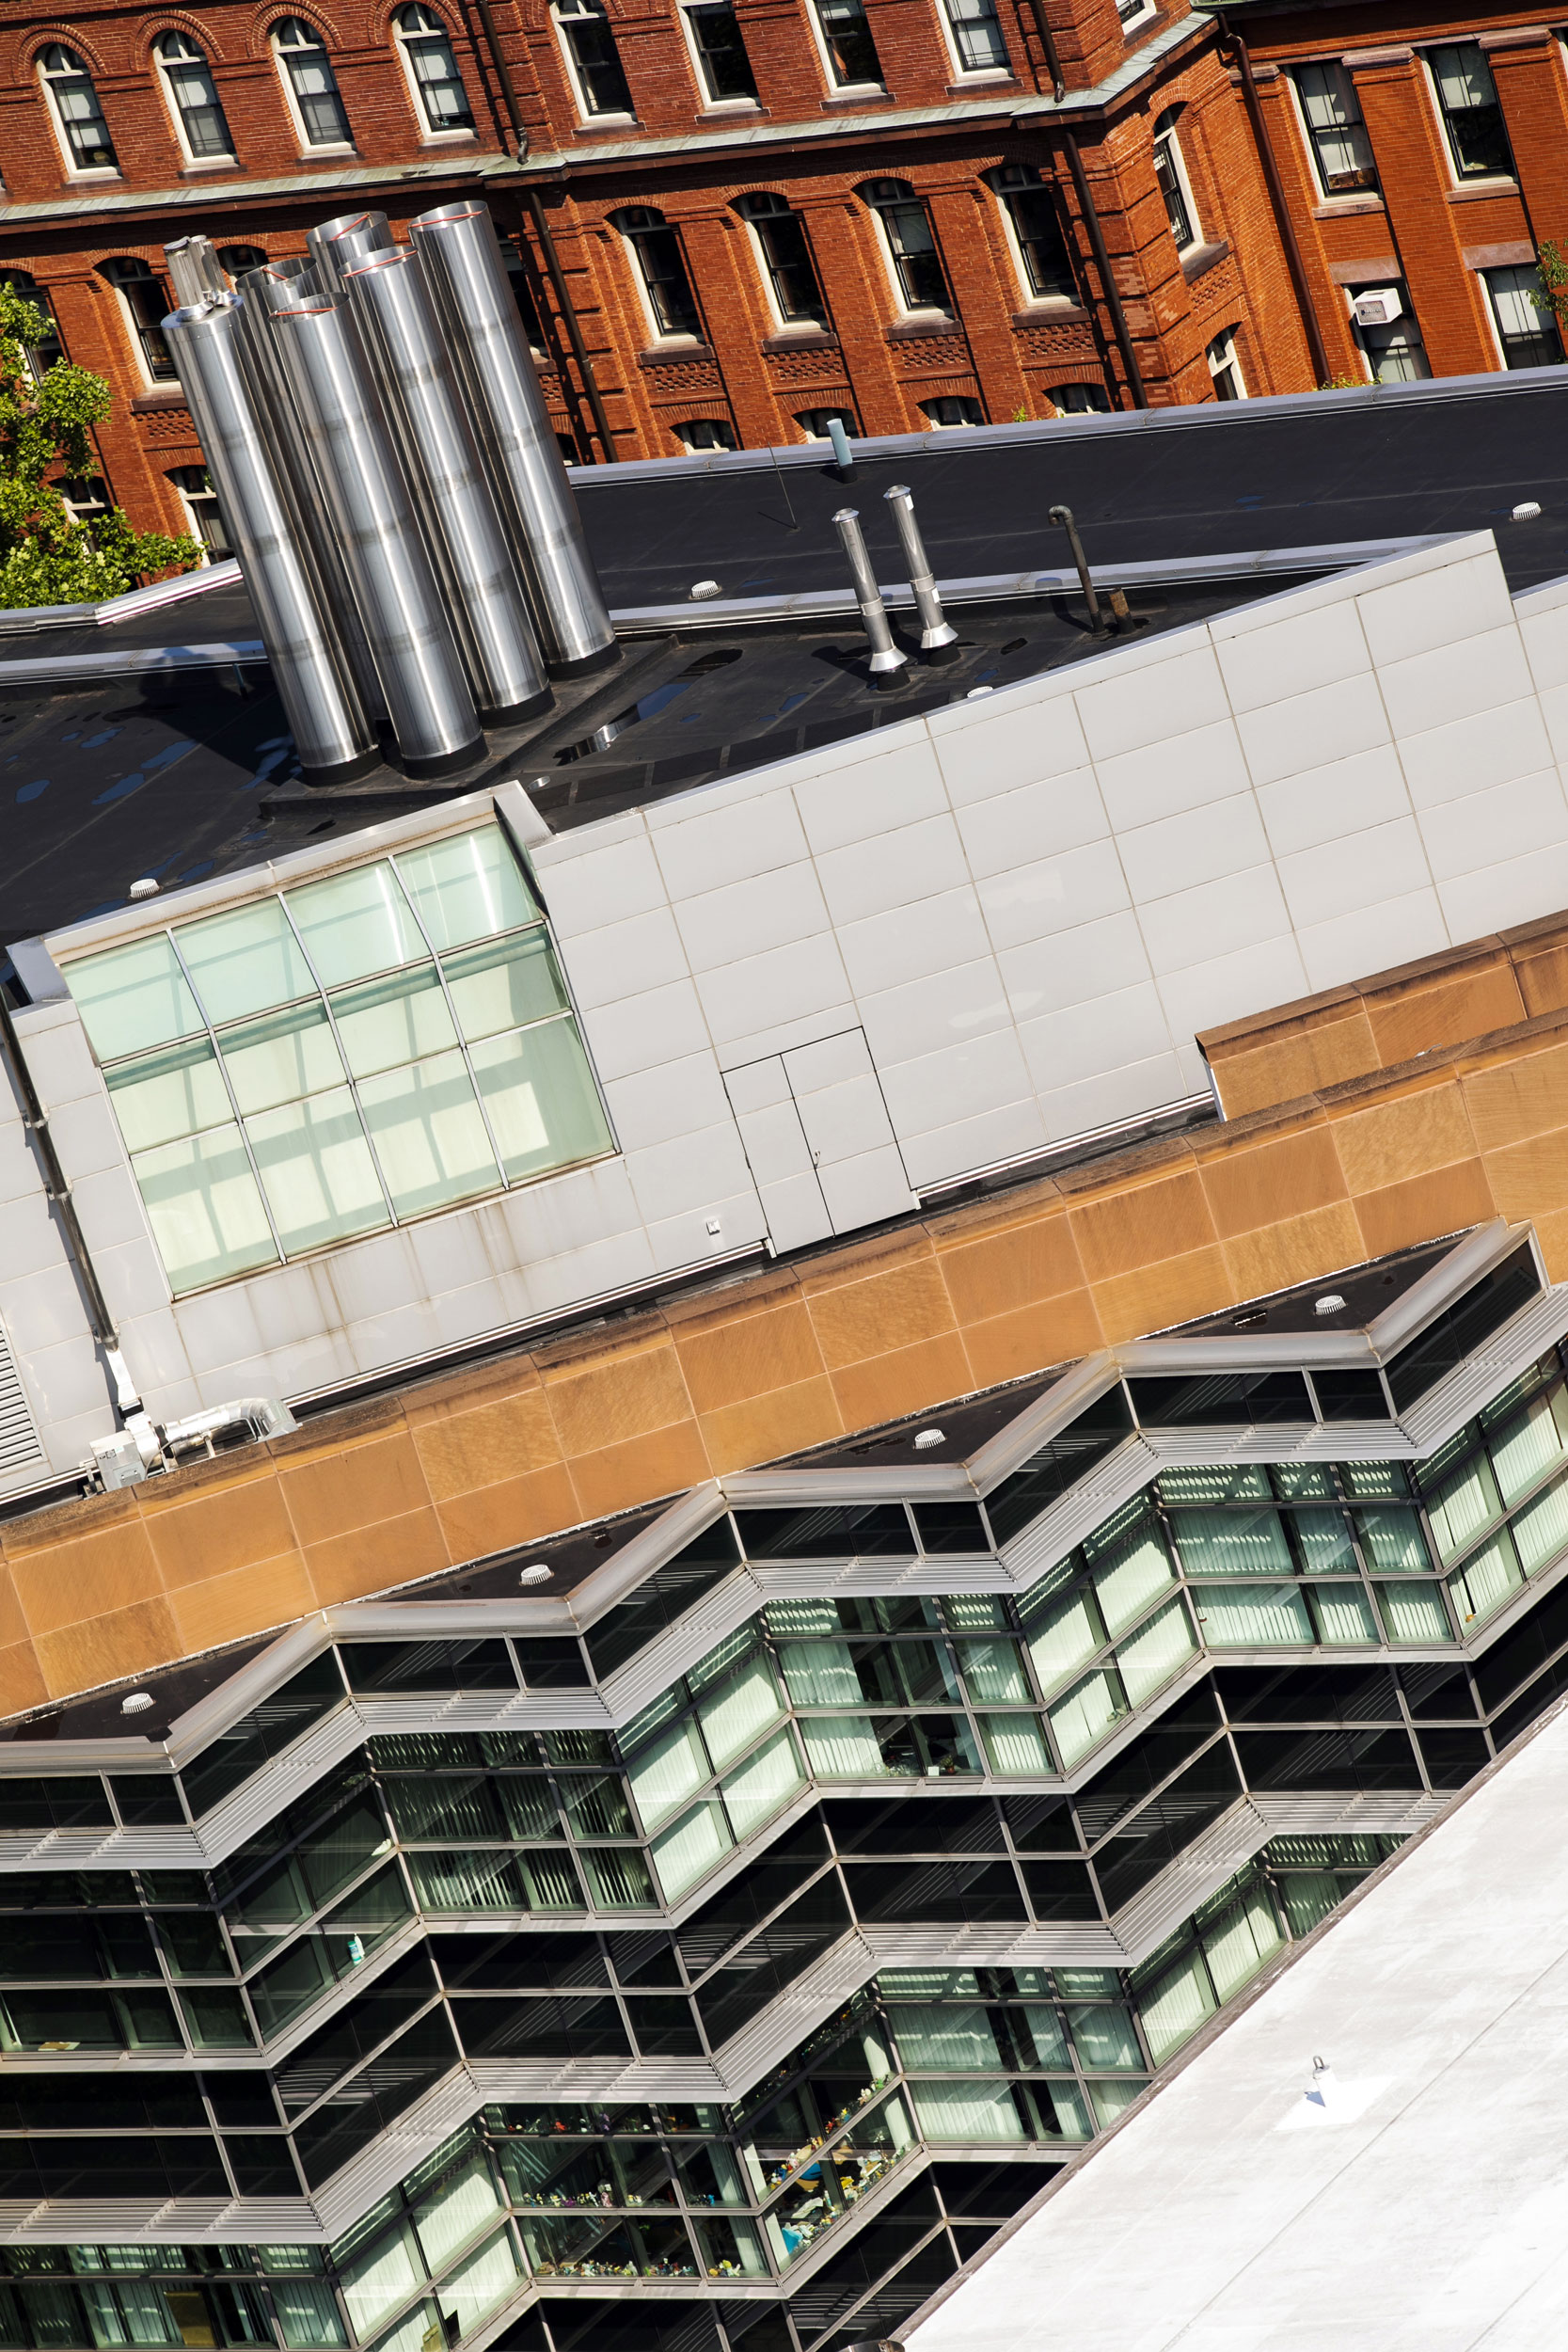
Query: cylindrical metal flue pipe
279, 286
335, 244
194, 270
939, 639
479, 318
432, 710
390, 303
886, 660
331, 732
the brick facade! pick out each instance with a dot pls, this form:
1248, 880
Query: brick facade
1426, 228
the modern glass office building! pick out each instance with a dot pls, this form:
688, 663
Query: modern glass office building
715, 1952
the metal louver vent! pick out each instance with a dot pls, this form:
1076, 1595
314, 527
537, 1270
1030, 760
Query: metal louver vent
19, 1437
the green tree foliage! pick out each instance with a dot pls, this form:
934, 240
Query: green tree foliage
46, 555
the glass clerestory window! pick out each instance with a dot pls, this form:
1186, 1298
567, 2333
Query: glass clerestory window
1468, 100
339, 1058
1342, 151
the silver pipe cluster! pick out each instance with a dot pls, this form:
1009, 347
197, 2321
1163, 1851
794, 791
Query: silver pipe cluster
376, 437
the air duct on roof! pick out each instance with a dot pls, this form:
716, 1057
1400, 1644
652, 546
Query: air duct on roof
391, 305
886, 660
336, 245
480, 320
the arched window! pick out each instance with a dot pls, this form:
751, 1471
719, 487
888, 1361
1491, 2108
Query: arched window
1080, 400
73, 108
432, 70
198, 110
1044, 262
956, 408
202, 512
704, 433
1170, 171
662, 268
978, 45
791, 271
813, 422
309, 84
42, 355
146, 303
236, 258
592, 58
1225, 367
912, 245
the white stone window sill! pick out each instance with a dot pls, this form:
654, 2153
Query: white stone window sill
725, 107
450, 139
209, 163
331, 152
617, 121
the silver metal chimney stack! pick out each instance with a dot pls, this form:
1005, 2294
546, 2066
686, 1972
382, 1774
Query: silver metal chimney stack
432, 712
335, 244
194, 270
886, 660
939, 639
484, 333
279, 286
390, 303
331, 732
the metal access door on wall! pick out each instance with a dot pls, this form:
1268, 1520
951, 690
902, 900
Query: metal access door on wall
819, 1141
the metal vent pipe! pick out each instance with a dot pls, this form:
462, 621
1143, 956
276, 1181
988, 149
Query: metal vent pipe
432, 712
390, 303
939, 639
279, 286
331, 732
886, 660
479, 318
194, 270
336, 245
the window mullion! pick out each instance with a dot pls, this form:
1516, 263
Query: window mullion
348, 1073
458, 1029
233, 1099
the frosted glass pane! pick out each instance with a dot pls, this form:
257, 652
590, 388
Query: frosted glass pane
1176, 2008
764, 1782
317, 1171
689, 1848
484, 2279
1485, 1581
1414, 1612
1015, 1744
841, 1747
1155, 1652
733, 1715
467, 887
1325, 1546
132, 998
1232, 1543
244, 961
504, 983
1533, 1444
943, 2040
355, 923
820, 1674
1065, 1637
664, 1775
540, 1097
1460, 1506
428, 1135
173, 1093
966, 2111
994, 1669
1240, 1615
205, 1209
1345, 1613
392, 1021
1129, 1581
1087, 1713
281, 1058
465, 2204
1541, 1530
1393, 1542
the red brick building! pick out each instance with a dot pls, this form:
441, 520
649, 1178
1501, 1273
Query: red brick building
1425, 164
736, 218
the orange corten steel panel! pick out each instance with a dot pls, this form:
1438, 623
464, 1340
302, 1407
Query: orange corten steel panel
382, 1493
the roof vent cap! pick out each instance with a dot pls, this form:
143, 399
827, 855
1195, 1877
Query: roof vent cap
537, 1572
703, 591
926, 1438
136, 1702
146, 888
1527, 511
1329, 1303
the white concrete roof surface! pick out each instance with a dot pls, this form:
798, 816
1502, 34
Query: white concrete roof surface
1425, 2209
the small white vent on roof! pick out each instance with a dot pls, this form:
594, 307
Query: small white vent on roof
539, 1572
136, 1702
1329, 1303
926, 1438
